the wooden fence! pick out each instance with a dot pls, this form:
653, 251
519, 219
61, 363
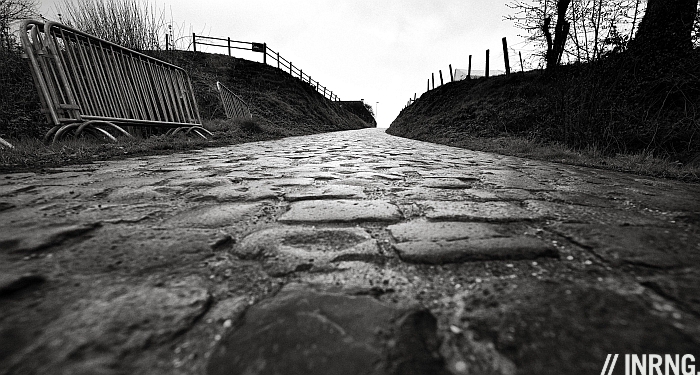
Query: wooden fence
274, 58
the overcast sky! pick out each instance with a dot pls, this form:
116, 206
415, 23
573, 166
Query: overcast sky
377, 50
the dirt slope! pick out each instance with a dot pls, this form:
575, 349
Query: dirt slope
273, 95
621, 104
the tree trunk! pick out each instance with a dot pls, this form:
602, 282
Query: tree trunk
666, 26
555, 48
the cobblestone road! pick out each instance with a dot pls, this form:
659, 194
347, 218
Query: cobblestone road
343, 253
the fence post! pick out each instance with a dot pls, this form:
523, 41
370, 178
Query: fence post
506, 60
194, 42
428, 86
433, 74
441, 81
301, 75
486, 72
452, 77
521, 62
229, 45
278, 60
265, 53
414, 96
290, 68
167, 42
469, 72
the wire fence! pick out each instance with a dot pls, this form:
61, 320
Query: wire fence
269, 55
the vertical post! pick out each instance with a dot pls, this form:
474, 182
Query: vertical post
486, 72
521, 61
441, 81
414, 96
229, 45
469, 72
428, 86
433, 80
506, 60
452, 77
278, 60
290, 68
265, 53
167, 42
301, 75
194, 42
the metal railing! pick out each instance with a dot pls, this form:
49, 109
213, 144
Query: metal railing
234, 106
281, 63
89, 84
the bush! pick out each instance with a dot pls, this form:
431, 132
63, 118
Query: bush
130, 23
250, 125
20, 112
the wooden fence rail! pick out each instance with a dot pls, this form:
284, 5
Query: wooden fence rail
279, 61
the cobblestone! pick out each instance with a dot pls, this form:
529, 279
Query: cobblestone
347, 251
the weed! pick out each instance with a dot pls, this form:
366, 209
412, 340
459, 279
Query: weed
250, 125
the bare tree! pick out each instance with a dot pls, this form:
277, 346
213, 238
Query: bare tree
10, 12
602, 26
594, 27
134, 24
667, 26
696, 29
555, 46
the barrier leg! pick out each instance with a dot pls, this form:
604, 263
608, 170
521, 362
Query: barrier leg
49, 135
100, 134
62, 131
6, 143
94, 125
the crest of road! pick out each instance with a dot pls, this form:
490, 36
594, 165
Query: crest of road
351, 252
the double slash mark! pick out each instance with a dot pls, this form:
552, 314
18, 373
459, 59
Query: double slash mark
612, 365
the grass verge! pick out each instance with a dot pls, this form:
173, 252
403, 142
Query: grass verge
31, 155
641, 163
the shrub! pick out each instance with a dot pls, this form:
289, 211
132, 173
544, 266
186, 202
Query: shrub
20, 113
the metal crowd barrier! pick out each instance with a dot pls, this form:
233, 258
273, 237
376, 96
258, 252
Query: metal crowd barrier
234, 106
92, 85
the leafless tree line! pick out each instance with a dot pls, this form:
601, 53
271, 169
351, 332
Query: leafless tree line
10, 12
584, 30
592, 27
130, 23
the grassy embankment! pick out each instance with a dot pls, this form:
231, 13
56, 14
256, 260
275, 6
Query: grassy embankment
626, 113
281, 106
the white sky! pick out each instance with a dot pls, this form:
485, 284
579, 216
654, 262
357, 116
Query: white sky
377, 50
